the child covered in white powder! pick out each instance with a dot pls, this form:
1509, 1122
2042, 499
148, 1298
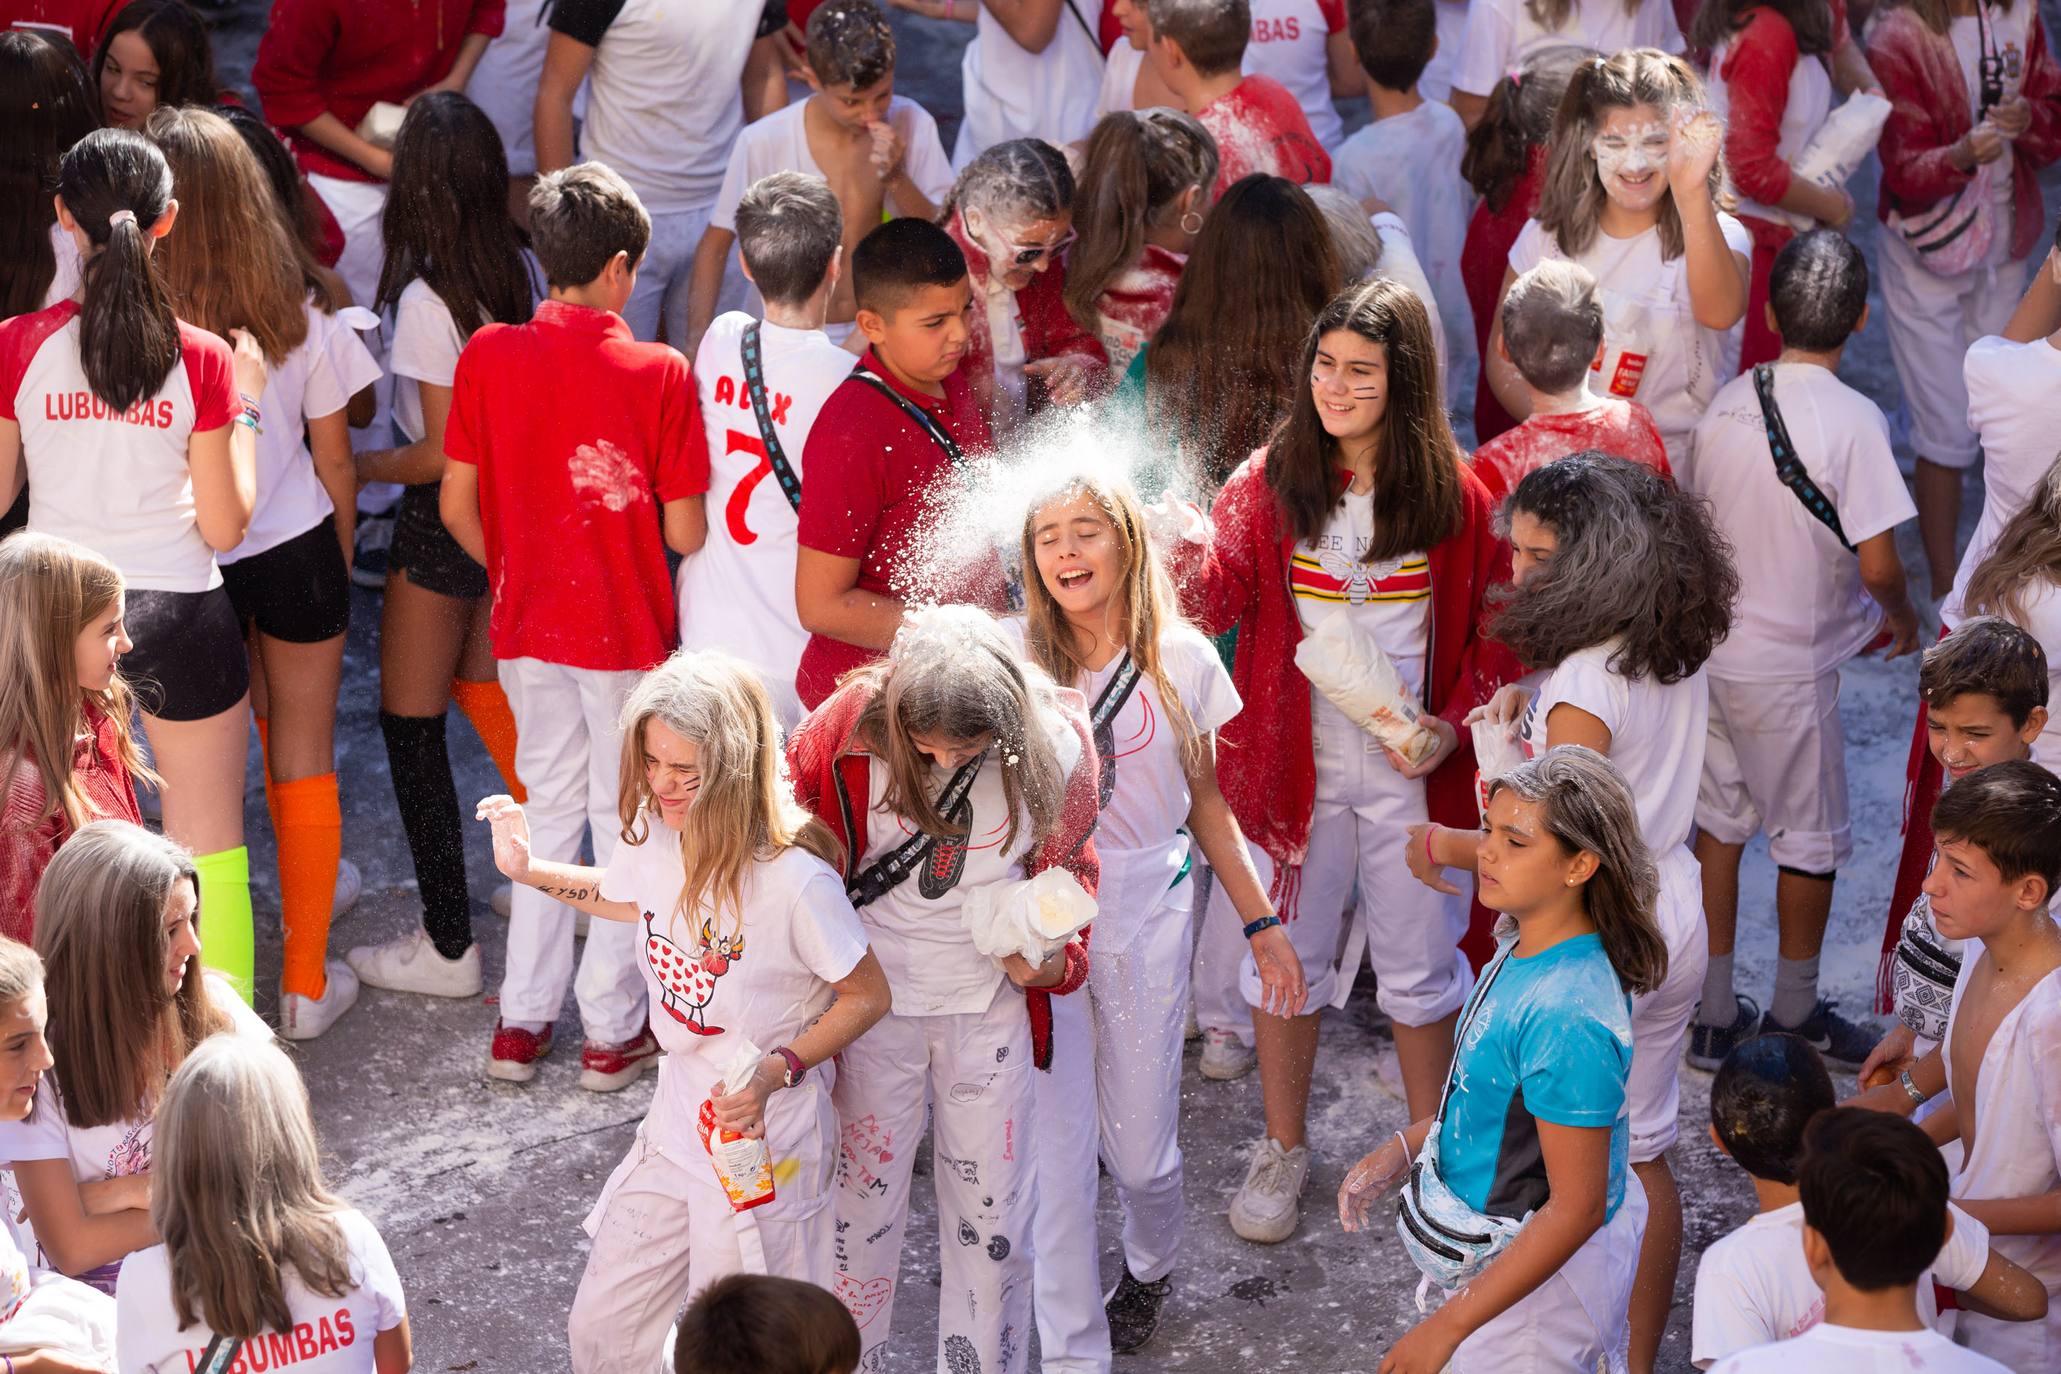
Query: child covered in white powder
1631, 194
745, 941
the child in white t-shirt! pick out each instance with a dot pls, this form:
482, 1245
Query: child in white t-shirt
1875, 1214
1815, 594
274, 1271
116, 910
1101, 618
1630, 193
748, 946
1409, 156
1304, 45
1622, 588
47, 1321
1754, 1285
878, 151
737, 590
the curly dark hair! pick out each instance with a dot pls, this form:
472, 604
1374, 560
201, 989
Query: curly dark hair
1639, 561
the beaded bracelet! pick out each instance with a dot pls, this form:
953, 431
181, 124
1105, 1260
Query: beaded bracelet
1265, 922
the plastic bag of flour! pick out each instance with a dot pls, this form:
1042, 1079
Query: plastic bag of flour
1031, 919
743, 1166
1836, 151
1497, 750
1342, 661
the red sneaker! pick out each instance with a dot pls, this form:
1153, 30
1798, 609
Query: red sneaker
515, 1052
609, 1068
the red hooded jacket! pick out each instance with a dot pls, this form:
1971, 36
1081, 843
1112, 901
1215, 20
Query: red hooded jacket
831, 774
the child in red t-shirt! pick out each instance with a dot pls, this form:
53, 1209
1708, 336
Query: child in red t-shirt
1258, 125
883, 452
1553, 336
571, 449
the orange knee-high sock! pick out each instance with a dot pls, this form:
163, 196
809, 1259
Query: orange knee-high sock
486, 706
310, 832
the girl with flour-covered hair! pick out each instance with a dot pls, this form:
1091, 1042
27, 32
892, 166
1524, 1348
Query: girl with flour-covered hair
1519, 1205
963, 785
758, 975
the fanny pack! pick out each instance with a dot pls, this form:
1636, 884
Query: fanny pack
941, 860
1956, 236
1923, 974
1448, 1240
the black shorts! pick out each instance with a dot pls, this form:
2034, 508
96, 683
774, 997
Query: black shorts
299, 591
188, 662
426, 549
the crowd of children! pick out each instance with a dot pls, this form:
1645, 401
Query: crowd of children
762, 482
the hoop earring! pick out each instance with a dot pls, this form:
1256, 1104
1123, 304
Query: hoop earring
1194, 228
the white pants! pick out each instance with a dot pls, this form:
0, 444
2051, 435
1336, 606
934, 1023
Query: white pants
1774, 759
1408, 932
660, 296
1219, 949
568, 751
1932, 321
975, 1069
1660, 1019
1575, 1319
663, 1231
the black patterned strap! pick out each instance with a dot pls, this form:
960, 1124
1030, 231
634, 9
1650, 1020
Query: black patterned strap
1788, 467
923, 419
755, 383
1115, 693
886, 873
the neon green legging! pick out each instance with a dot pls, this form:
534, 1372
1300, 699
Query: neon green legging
225, 918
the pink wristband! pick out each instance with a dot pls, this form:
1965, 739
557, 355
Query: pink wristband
1430, 857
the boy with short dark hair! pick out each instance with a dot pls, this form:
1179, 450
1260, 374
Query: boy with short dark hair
885, 449
762, 384
878, 151
1408, 156
1753, 1285
1812, 515
1874, 1199
1552, 334
1197, 46
576, 457
757, 1324
1998, 832
1984, 689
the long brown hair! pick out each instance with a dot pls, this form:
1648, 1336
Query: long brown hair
1417, 484
50, 591
229, 261
46, 105
1571, 202
1136, 166
1142, 607
1553, 14
2028, 550
1221, 371
238, 1194
745, 811
952, 674
115, 1034
1586, 807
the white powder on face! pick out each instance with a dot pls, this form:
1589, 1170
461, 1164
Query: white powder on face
1633, 150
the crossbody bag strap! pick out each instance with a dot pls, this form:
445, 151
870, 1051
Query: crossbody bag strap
1474, 1001
1789, 468
922, 417
887, 872
1086, 27
1102, 723
219, 1356
755, 383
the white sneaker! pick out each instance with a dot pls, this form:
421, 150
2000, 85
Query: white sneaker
350, 885
1266, 1208
304, 1018
1224, 1055
410, 963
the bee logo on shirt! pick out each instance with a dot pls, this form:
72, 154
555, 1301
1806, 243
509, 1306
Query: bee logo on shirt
688, 980
1331, 574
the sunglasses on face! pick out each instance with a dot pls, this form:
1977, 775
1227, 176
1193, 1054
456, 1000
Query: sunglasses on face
1026, 255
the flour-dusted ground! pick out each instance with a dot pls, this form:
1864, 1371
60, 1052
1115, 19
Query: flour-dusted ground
480, 1190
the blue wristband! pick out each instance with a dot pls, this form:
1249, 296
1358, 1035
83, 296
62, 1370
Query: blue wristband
1263, 923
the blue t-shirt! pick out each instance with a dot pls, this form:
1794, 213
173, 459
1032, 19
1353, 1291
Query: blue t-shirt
1550, 1040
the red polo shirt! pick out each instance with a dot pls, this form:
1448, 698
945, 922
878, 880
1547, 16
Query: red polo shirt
876, 478
580, 433
344, 56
